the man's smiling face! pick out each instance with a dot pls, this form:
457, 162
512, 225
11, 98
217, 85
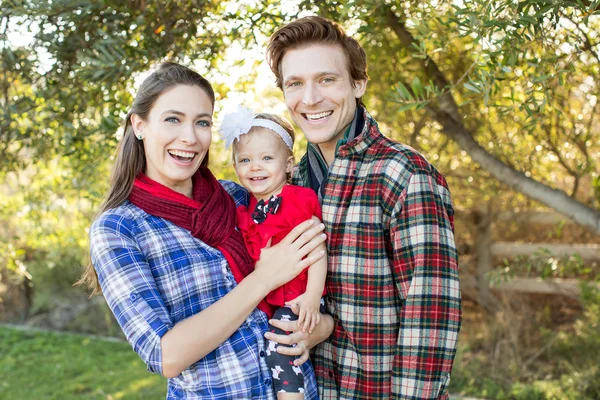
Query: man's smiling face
320, 93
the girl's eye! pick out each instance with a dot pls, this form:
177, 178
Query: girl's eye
267, 158
243, 160
203, 123
172, 119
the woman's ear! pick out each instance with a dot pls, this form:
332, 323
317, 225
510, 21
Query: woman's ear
138, 126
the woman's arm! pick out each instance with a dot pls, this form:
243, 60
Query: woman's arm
192, 339
132, 294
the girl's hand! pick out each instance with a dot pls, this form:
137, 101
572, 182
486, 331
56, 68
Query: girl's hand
284, 261
307, 309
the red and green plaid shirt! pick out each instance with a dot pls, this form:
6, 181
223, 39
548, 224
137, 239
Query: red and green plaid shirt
392, 283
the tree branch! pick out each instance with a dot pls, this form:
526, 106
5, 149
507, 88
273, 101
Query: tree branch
446, 113
587, 43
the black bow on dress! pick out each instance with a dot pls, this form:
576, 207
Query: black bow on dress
262, 209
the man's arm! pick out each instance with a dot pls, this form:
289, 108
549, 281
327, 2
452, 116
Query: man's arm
425, 266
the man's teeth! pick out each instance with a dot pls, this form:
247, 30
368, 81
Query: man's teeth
183, 154
313, 117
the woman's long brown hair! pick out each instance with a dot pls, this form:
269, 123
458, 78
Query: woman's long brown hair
130, 158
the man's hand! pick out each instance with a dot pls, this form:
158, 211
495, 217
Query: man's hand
301, 341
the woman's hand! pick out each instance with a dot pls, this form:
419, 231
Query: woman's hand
282, 262
304, 341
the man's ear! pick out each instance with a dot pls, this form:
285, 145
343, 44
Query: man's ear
360, 87
138, 125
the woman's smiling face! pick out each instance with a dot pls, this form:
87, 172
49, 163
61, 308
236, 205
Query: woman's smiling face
176, 135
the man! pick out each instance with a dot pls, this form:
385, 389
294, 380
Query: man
393, 278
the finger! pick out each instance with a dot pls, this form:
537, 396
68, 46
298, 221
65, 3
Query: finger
306, 324
297, 231
311, 259
288, 326
292, 351
302, 359
300, 321
281, 339
304, 315
310, 239
314, 245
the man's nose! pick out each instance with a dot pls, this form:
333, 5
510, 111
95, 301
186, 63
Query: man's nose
312, 95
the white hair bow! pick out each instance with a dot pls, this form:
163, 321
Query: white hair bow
240, 121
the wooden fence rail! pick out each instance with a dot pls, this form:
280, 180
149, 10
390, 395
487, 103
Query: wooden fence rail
479, 285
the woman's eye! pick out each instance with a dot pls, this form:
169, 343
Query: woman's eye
172, 119
203, 123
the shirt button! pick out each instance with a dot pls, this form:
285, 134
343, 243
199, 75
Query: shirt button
133, 297
262, 353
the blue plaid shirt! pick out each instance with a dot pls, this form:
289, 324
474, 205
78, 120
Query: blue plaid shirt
154, 274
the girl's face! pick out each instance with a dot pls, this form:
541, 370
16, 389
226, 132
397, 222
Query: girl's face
262, 162
177, 135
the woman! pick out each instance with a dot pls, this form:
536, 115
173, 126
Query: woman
166, 255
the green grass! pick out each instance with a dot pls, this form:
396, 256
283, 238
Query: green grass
41, 365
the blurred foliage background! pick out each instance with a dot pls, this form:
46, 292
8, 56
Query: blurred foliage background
501, 96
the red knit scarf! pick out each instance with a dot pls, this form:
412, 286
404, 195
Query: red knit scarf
209, 216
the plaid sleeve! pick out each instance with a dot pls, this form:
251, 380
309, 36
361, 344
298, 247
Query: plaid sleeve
238, 192
129, 287
426, 275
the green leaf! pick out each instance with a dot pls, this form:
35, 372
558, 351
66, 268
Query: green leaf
417, 88
542, 78
403, 92
408, 106
472, 88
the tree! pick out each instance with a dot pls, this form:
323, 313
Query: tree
512, 84
510, 63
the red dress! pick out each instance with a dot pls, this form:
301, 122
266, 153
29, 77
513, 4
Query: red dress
298, 204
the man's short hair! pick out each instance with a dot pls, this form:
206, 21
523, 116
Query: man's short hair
315, 30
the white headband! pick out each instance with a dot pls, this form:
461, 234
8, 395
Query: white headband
239, 122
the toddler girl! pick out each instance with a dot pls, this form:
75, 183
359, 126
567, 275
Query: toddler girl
263, 161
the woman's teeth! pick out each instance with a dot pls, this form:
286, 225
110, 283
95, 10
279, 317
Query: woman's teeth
186, 155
